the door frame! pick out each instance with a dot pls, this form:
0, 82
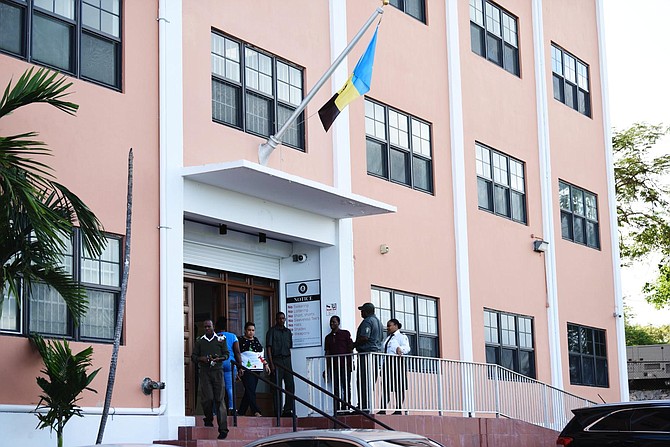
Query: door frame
226, 281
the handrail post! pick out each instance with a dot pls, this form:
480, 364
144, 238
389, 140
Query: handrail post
546, 405
310, 375
496, 382
233, 365
278, 397
440, 387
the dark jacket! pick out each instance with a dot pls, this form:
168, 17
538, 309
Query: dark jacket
216, 348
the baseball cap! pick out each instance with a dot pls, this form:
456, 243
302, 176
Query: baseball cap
368, 307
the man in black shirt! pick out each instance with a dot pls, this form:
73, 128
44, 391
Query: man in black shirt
210, 351
278, 344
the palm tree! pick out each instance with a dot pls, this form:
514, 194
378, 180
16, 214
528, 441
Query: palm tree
37, 214
65, 379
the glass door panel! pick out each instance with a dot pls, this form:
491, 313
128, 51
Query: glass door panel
261, 315
237, 311
262, 320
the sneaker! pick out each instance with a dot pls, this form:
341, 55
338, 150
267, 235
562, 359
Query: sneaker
208, 423
222, 435
257, 414
287, 414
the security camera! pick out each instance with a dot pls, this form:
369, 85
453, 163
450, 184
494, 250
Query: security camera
300, 258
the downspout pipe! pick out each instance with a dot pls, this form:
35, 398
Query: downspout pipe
546, 192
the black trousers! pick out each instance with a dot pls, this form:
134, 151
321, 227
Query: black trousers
280, 375
341, 382
250, 381
367, 374
394, 378
212, 391
339, 377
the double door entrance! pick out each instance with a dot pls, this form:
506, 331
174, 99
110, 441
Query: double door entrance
237, 298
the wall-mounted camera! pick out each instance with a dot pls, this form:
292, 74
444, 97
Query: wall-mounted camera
300, 258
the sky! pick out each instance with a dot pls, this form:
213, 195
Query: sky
639, 91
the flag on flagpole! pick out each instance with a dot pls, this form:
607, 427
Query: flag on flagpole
358, 84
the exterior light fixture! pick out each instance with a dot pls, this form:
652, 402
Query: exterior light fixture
262, 238
540, 245
223, 229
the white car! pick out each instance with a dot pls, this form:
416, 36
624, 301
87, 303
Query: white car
346, 438
126, 444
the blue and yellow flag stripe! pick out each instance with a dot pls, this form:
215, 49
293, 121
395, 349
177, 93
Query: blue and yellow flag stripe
358, 84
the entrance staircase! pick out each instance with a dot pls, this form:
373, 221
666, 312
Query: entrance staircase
248, 429
452, 431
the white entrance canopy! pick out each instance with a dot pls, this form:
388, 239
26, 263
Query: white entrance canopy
276, 186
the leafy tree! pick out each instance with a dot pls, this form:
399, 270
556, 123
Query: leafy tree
642, 202
37, 214
65, 380
657, 292
637, 335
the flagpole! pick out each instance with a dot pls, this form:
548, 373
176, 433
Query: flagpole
265, 149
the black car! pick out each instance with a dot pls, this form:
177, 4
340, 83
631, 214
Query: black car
630, 424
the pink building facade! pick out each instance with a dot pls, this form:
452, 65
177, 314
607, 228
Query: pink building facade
484, 134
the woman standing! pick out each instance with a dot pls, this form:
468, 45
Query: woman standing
394, 373
251, 352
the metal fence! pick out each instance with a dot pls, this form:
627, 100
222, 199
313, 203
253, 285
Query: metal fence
648, 370
381, 383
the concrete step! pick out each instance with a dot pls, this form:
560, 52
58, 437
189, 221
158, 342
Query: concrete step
249, 428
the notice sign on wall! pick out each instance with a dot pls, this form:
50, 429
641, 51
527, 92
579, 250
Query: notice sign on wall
303, 312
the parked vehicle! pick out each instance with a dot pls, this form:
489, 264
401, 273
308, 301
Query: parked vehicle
346, 438
630, 424
123, 444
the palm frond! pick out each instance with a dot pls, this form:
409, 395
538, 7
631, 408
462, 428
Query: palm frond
44, 86
89, 225
16, 152
65, 379
60, 280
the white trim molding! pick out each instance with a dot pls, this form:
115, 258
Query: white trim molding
611, 200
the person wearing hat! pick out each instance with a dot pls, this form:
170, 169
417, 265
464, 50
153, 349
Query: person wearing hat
368, 339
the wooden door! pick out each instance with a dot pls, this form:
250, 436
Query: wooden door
189, 370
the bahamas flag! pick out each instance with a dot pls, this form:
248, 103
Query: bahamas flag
358, 84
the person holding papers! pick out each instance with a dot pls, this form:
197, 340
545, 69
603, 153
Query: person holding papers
251, 353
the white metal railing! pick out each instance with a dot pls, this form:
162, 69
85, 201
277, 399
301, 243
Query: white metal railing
422, 385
